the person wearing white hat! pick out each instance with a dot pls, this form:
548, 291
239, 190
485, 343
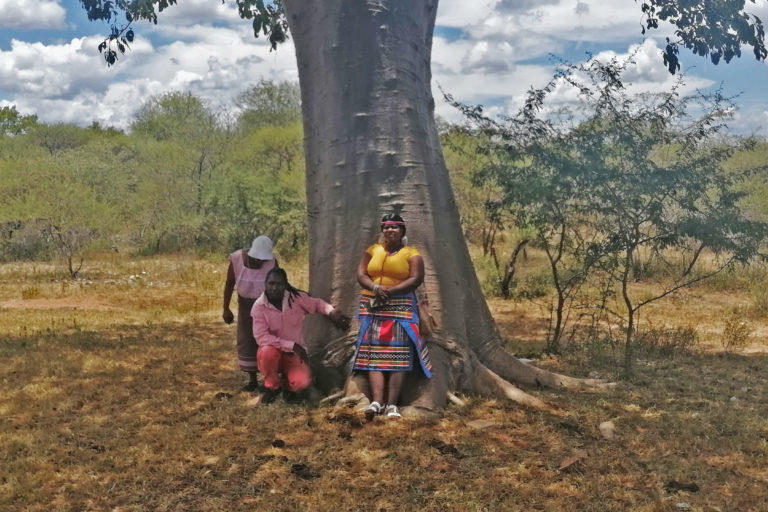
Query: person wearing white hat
247, 272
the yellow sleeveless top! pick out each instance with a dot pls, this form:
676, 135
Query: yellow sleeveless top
389, 269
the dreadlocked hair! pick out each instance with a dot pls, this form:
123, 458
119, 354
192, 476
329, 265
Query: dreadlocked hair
293, 292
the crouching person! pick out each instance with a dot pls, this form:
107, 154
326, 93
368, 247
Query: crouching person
278, 317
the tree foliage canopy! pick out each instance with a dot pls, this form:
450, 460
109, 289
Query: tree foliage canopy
269, 103
619, 179
13, 123
179, 181
714, 28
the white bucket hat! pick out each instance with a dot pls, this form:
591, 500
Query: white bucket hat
261, 248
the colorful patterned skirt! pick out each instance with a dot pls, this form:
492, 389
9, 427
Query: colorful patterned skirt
389, 337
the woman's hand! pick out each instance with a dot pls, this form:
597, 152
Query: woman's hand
383, 293
228, 316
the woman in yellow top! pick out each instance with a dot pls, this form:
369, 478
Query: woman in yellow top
389, 340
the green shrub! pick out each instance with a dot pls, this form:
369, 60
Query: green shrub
31, 292
736, 330
488, 275
531, 286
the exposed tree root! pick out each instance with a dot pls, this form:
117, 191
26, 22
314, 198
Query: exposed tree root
510, 368
418, 414
486, 382
493, 377
458, 402
333, 398
354, 399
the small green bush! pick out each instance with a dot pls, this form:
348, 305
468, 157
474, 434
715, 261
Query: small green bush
736, 330
531, 286
488, 275
31, 292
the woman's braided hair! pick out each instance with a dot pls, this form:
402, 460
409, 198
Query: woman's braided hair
294, 292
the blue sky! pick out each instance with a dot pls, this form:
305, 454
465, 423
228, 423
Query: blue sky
490, 54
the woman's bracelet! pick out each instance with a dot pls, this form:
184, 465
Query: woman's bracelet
376, 288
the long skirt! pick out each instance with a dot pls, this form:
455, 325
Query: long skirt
246, 344
389, 337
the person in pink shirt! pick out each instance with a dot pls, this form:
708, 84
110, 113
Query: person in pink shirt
278, 319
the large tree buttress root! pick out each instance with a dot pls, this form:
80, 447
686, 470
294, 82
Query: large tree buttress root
459, 371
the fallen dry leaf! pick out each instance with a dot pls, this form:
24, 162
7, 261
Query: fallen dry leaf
480, 424
253, 402
573, 459
608, 430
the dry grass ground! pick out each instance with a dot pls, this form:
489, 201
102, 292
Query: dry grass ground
119, 392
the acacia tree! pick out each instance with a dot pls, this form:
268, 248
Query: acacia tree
269, 103
372, 146
68, 217
528, 163
619, 176
184, 123
661, 189
259, 188
14, 123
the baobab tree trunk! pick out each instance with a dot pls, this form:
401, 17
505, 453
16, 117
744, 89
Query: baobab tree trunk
372, 147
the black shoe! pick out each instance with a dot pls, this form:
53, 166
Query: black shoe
251, 387
270, 395
295, 397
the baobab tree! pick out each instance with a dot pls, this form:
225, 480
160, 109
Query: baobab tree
372, 147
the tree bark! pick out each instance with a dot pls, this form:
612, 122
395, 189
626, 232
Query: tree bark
628, 348
509, 269
372, 147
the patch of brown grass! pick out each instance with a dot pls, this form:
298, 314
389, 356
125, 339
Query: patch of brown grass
134, 406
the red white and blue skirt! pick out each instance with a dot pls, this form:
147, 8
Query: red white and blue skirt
389, 337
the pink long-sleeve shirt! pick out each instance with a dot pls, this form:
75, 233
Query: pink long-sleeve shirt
283, 329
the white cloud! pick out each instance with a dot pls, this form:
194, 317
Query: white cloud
573, 20
465, 70
50, 70
505, 93
455, 14
750, 121
193, 12
70, 82
19, 14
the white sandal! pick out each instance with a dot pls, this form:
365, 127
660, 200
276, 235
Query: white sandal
373, 410
392, 412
